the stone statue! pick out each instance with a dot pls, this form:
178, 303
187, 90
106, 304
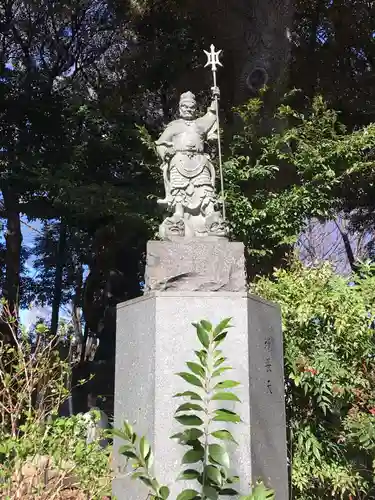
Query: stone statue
189, 176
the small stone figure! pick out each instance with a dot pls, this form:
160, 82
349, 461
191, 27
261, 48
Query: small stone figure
96, 422
189, 176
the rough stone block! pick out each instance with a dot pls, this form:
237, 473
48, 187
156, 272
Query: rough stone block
154, 340
195, 265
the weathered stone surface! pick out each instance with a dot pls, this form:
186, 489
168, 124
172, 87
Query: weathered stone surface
155, 339
195, 265
40, 472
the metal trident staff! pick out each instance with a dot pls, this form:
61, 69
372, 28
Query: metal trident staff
213, 61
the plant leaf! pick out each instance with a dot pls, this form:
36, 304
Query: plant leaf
137, 475
189, 406
188, 474
213, 474
129, 454
202, 356
218, 372
210, 492
146, 480
219, 361
224, 415
188, 435
128, 429
189, 420
193, 456
164, 492
219, 338
197, 369
223, 325
192, 379
225, 396
202, 334
233, 479
224, 435
149, 459
188, 495
206, 325
125, 447
218, 454
260, 492
120, 434
144, 447
226, 384
229, 492
192, 395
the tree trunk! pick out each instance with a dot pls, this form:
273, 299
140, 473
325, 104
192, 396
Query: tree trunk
341, 224
311, 62
77, 304
57, 292
13, 238
255, 37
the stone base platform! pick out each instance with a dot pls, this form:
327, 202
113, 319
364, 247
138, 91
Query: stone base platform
154, 340
195, 265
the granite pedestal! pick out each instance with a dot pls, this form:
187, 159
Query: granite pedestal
154, 340
195, 265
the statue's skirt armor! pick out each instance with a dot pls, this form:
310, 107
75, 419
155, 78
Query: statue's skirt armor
190, 179
185, 167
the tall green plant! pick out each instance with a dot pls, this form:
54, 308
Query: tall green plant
207, 459
204, 374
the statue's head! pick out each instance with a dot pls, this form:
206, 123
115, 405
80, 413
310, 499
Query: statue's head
188, 106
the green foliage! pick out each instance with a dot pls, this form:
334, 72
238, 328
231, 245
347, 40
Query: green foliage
139, 452
210, 457
309, 165
207, 458
260, 492
59, 446
328, 324
34, 377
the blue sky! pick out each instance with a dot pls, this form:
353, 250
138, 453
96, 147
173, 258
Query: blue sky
29, 232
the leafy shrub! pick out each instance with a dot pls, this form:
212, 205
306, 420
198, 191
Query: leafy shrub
207, 459
54, 455
328, 324
39, 452
308, 166
33, 377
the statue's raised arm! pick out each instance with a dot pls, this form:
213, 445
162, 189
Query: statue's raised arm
208, 122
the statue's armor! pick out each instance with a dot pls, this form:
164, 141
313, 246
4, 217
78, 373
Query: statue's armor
190, 171
188, 137
190, 180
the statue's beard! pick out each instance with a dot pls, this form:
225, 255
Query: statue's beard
187, 116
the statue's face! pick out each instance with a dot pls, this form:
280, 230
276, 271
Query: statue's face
187, 110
